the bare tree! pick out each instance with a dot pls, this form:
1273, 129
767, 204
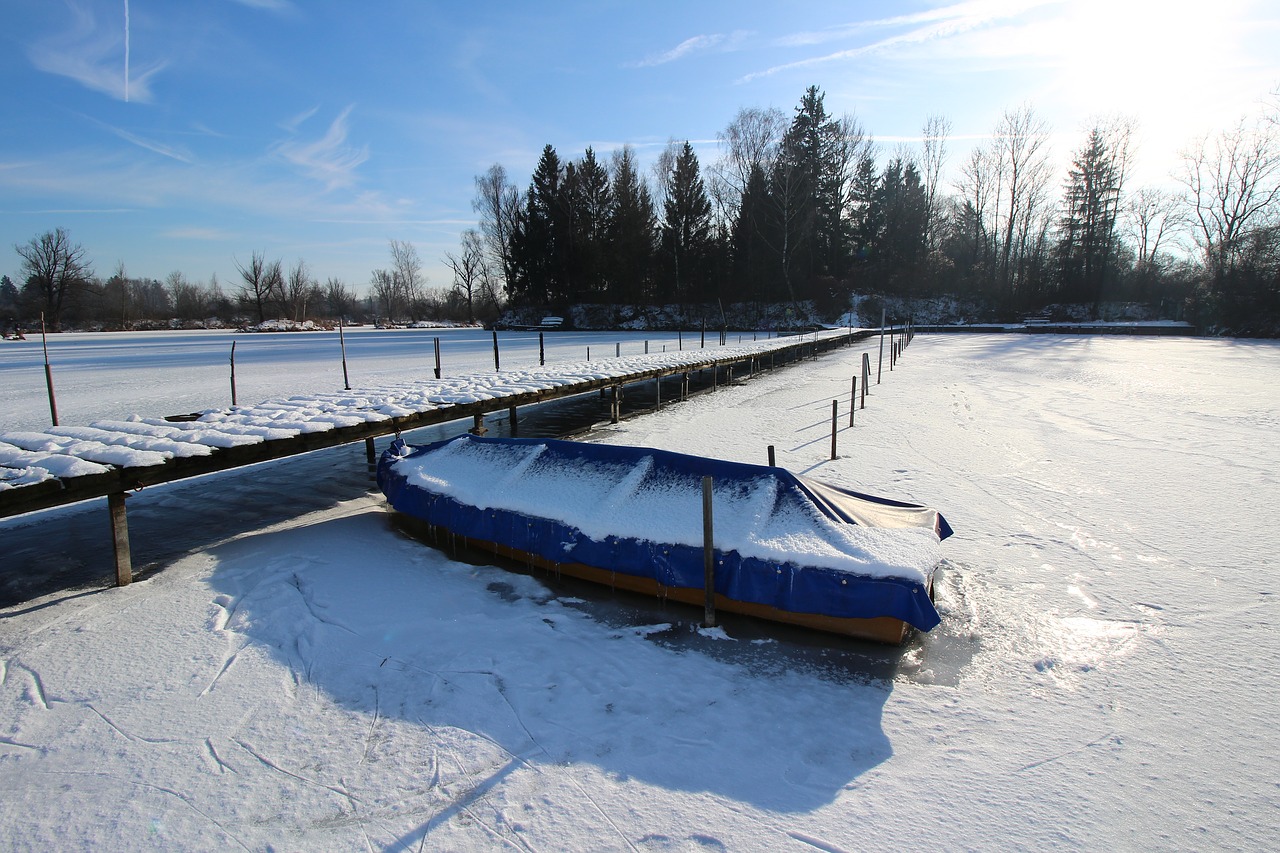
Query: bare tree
470, 270
1152, 216
499, 204
55, 269
406, 270
262, 284
299, 290
340, 299
190, 301
751, 140
1020, 154
1233, 185
933, 156
384, 294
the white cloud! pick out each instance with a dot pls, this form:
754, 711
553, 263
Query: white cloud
683, 49
93, 56
328, 159
153, 146
934, 25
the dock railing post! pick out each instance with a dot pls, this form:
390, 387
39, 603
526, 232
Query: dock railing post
708, 557
120, 538
342, 342
48, 373
835, 415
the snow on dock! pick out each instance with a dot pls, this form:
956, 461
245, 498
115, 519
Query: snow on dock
66, 464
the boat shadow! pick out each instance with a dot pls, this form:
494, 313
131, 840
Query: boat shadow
557, 672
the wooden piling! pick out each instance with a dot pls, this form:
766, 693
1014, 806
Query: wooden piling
48, 372
708, 557
542, 350
120, 538
497, 363
773, 462
342, 343
853, 399
835, 415
233, 374
437, 346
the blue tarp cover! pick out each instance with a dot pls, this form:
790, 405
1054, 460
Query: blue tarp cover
405, 477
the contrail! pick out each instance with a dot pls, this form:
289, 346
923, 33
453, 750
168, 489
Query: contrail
126, 51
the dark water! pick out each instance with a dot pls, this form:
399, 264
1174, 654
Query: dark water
69, 549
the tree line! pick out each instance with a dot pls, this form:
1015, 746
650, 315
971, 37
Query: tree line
807, 207
799, 208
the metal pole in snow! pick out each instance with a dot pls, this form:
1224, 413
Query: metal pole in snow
853, 399
48, 372
437, 346
233, 373
496, 364
342, 342
708, 558
773, 462
542, 350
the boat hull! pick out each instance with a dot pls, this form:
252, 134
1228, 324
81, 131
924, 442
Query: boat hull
457, 489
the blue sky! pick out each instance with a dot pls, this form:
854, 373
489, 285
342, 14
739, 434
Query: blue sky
321, 129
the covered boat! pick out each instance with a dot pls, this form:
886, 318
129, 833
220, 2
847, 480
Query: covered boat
786, 547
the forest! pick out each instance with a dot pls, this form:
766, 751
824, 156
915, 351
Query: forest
801, 209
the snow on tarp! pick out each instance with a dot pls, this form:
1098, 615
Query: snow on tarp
781, 540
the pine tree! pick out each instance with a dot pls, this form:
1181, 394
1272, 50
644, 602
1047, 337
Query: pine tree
630, 228
1091, 201
539, 252
686, 231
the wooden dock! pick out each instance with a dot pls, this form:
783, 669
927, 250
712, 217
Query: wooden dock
48, 469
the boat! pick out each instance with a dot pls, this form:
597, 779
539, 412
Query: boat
785, 547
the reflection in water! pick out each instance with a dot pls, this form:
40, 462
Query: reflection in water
70, 547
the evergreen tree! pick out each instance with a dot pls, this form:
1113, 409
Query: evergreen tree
630, 232
686, 231
754, 261
541, 272
1090, 204
590, 199
903, 220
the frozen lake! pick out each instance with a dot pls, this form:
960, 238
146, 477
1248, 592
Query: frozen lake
106, 375
294, 672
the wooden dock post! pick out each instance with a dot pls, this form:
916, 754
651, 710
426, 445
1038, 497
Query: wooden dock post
497, 363
370, 455
866, 378
542, 351
773, 461
48, 373
880, 363
615, 405
515, 421
120, 538
708, 557
342, 343
233, 374
437, 346
478, 427
853, 400
835, 414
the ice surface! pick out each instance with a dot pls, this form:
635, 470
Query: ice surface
1105, 675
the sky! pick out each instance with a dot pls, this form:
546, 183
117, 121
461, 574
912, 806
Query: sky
186, 137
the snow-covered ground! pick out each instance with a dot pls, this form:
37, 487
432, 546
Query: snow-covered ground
112, 375
1106, 674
